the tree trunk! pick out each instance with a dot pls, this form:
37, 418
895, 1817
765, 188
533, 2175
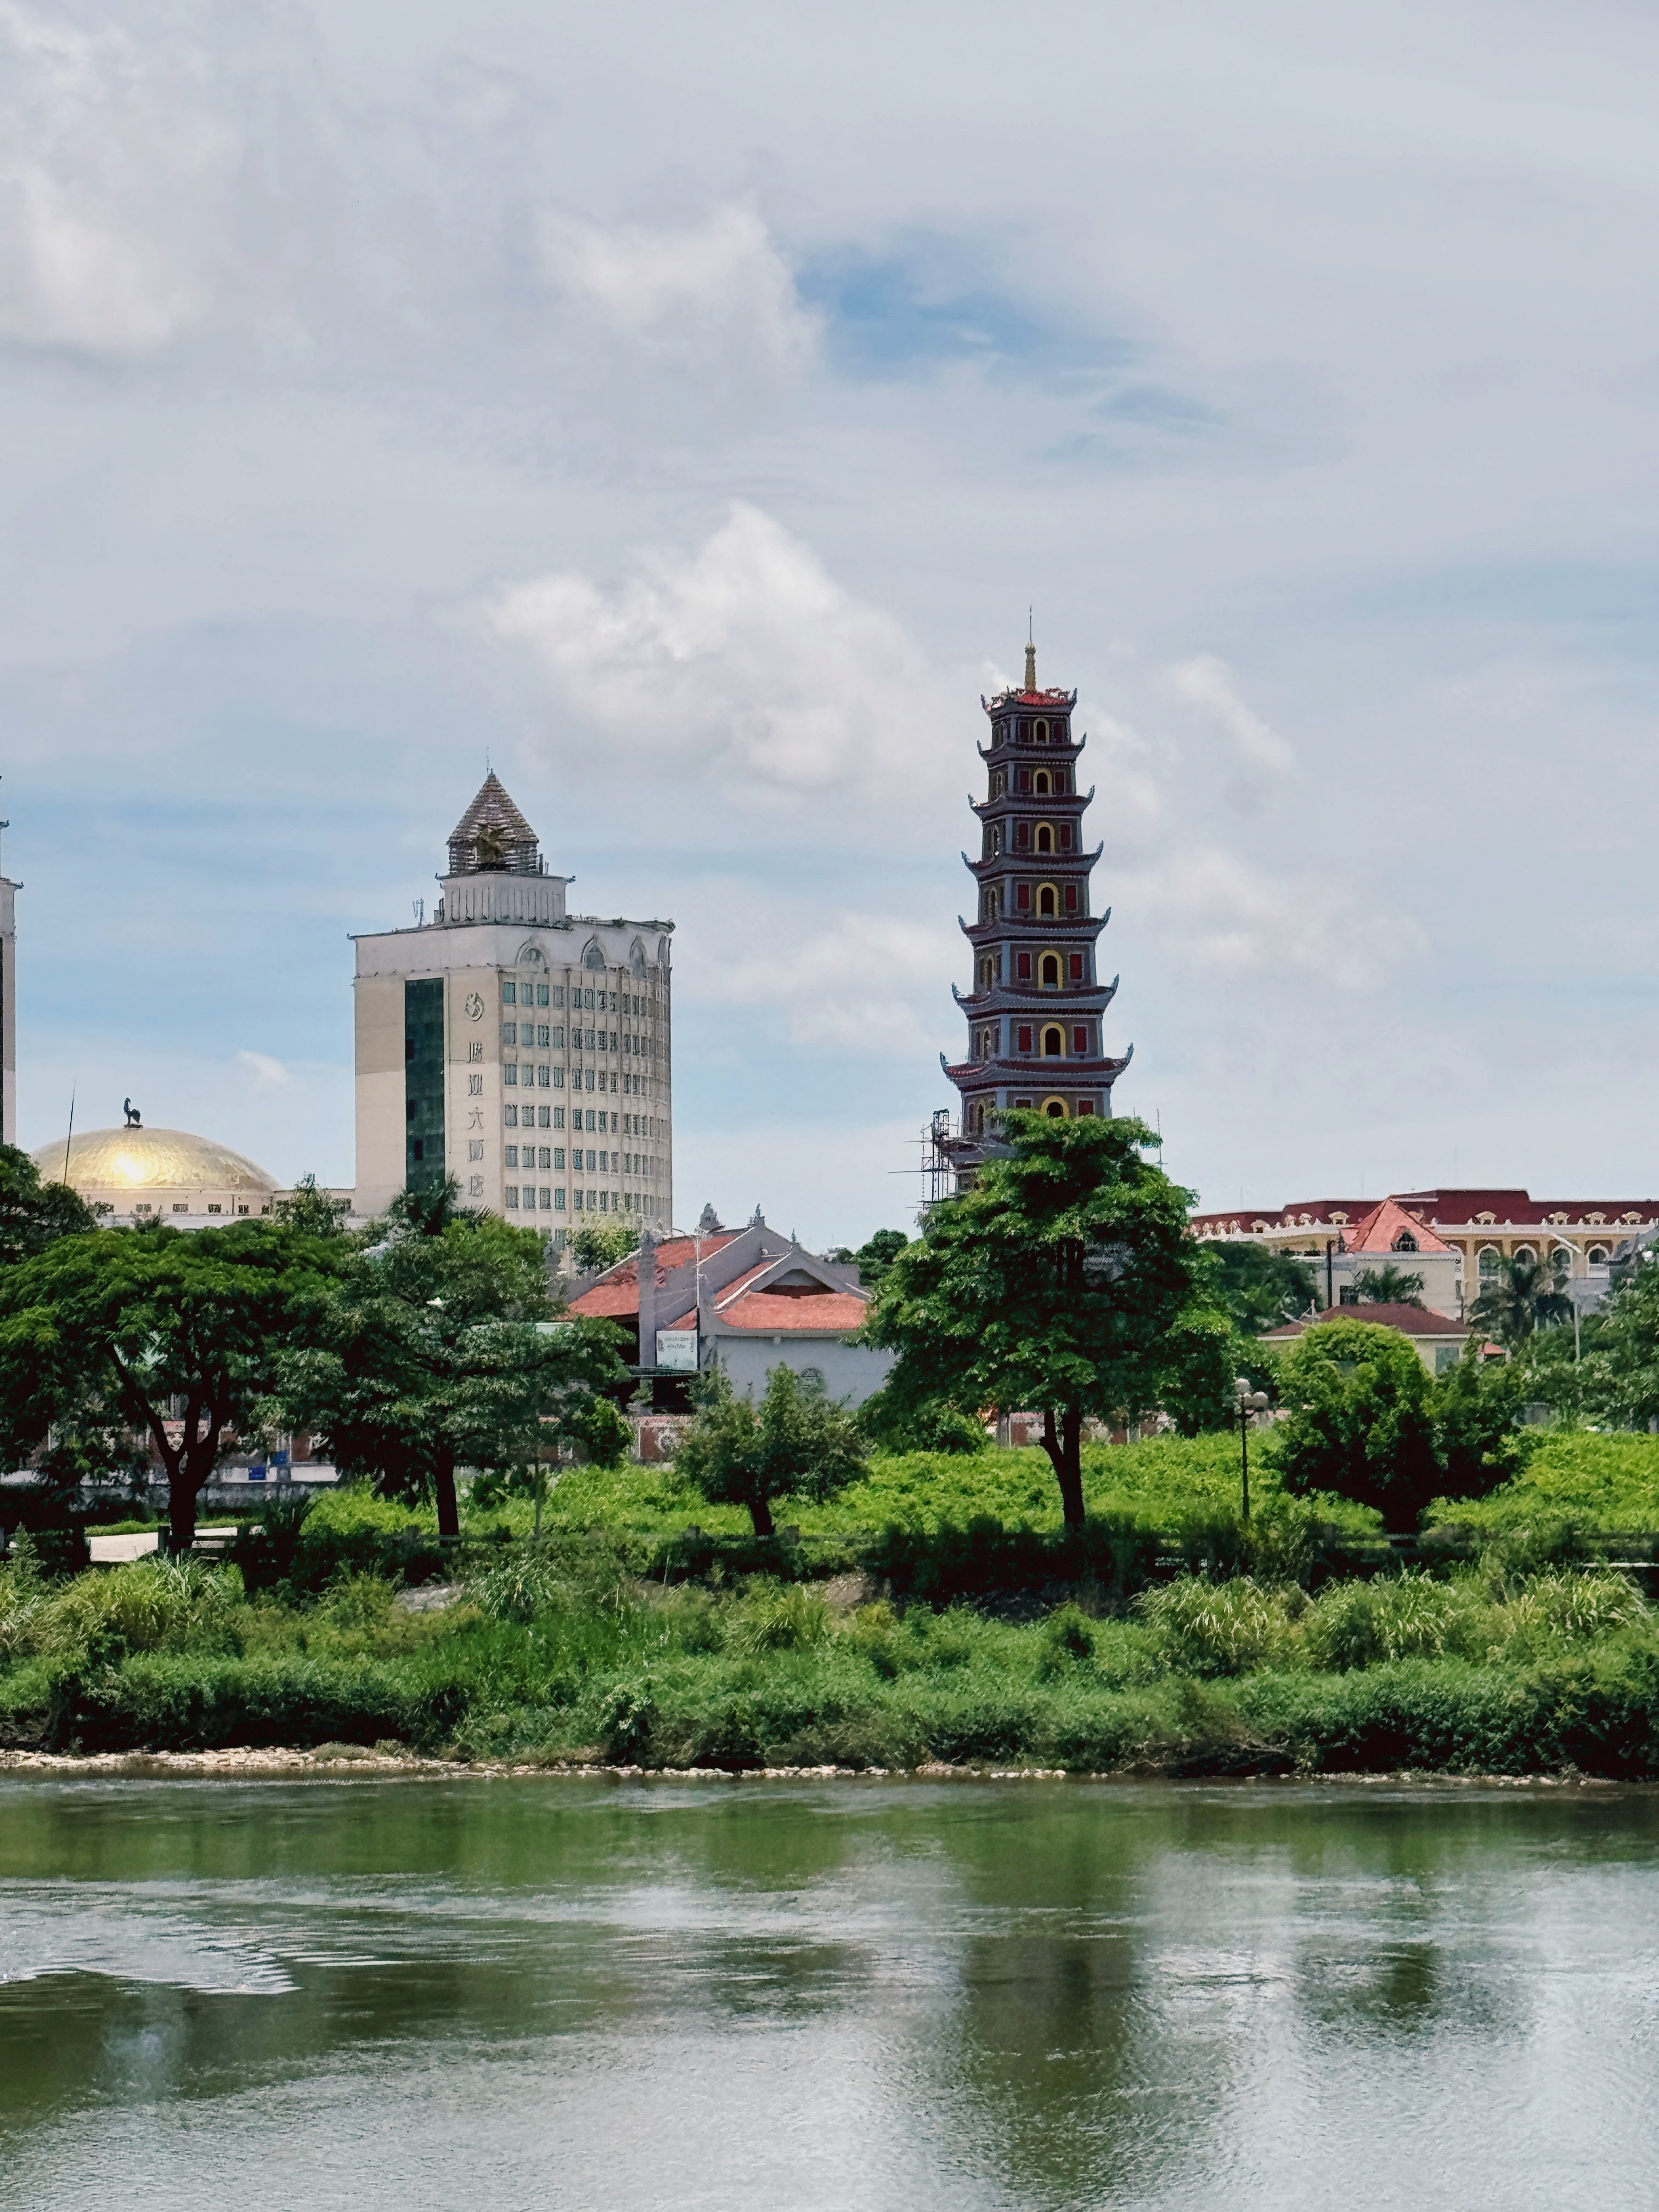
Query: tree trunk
1063, 1441
760, 1512
443, 1488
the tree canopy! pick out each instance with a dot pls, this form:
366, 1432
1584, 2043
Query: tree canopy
1054, 1282
1388, 1286
1359, 1418
1523, 1298
798, 1441
173, 1335
34, 1213
1259, 1288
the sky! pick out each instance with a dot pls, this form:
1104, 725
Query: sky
679, 409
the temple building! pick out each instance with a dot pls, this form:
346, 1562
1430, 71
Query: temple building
520, 1048
1035, 1009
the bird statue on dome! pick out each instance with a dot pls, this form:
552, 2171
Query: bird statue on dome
134, 1120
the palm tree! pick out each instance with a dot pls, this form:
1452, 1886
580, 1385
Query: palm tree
1388, 1286
1525, 1298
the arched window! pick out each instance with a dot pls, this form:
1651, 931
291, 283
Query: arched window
1051, 971
1561, 1260
1491, 1263
1047, 903
1405, 1241
1042, 782
1053, 1044
1598, 1256
1054, 1109
1526, 1255
1043, 733
1045, 841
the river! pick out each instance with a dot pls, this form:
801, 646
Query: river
227, 1997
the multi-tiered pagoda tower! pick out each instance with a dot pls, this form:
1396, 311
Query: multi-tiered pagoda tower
1035, 1012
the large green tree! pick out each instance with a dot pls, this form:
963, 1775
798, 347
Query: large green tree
1359, 1418
1259, 1288
1523, 1298
1055, 1282
442, 1349
156, 1332
34, 1213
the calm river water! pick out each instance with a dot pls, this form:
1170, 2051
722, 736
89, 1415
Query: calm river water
507, 1994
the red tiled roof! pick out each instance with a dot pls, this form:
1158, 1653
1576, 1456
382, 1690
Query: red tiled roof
1386, 1222
1410, 1320
608, 1298
779, 1312
617, 1290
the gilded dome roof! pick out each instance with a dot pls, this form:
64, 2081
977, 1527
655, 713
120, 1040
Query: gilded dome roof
149, 1159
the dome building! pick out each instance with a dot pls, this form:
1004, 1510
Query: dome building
139, 1173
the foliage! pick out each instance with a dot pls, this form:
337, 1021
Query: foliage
930, 1425
1525, 1296
1258, 1287
1216, 1628
1360, 1419
595, 1247
1388, 1286
1053, 1282
311, 1211
102, 1335
876, 1254
796, 1441
34, 1213
1477, 1407
1571, 1479
440, 1350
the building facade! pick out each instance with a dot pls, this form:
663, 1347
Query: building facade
1037, 1005
9, 891
1483, 1229
522, 1049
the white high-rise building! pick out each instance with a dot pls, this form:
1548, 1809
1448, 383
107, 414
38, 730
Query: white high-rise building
9, 891
523, 1050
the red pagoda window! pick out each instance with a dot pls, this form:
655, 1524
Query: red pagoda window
1022, 898
1077, 967
1071, 899
1080, 1042
1024, 1038
1023, 966
1023, 835
1065, 836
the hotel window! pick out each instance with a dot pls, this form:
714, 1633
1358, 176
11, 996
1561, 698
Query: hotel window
547, 1200
180, 1209
544, 1076
543, 1156
511, 1195
509, 991
558, 1157
558, 1038
510, 1116
510, 1074
541, 994
577, 1200
511, 1155
509, 1033
558, 1117
542, 1035
558, 1205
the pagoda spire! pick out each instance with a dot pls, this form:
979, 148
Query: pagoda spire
1036, 1010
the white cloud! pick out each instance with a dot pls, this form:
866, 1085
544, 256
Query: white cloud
1207, 682
694, 293
263, 1073
1227, 916
117, 178
860, 982
745, 662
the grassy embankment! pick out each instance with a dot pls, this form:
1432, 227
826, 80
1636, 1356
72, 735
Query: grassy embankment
595, 1650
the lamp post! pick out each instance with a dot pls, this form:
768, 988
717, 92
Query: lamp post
1247, 1401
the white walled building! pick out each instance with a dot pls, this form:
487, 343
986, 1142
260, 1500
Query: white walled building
523, 1050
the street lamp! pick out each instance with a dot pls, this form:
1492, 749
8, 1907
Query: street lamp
1247, 1401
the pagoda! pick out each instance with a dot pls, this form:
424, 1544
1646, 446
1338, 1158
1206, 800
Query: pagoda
1036, 1008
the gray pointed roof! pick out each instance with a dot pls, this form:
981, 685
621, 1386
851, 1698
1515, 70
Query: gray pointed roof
493, 836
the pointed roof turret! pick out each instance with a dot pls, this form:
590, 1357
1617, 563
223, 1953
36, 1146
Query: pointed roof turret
492, 836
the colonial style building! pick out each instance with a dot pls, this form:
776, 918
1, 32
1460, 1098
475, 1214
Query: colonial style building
1481, 1229
523, 1050
1036, 1008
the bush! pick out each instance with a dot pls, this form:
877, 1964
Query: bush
1365, 1623
1360, 1419
1219, 1628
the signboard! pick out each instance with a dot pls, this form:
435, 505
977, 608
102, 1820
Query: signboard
677, 1350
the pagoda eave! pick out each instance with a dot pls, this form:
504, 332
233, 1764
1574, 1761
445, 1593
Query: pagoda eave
974, 1074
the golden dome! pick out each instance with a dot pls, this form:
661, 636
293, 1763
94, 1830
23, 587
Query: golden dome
105, 1160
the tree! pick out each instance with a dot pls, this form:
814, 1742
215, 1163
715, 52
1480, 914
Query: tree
1524, 1297
1360, 1419
1259, 1288
174, 1336
876, 1254
442, 1350
34, 1213
311, 1210
1477, 1413
1054, 1282
1388, 1286
594, 1248
797, 1442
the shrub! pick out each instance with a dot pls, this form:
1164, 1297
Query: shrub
773, 1620
1217, 1628
1360, 1419
1363, 1624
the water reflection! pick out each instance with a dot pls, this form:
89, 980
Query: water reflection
823, 1995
